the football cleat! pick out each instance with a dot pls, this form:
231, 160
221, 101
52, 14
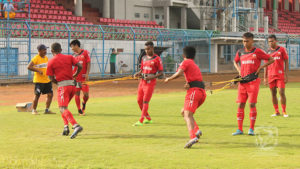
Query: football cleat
66, 131
146, 121
77, 130
81, 113
285, 114
49, 112
198, 134
190, 143
238, 132
275, 114
251, 132
138, 123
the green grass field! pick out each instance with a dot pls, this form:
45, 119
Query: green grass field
109, 140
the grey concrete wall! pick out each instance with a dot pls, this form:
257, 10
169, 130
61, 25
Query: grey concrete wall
175, 17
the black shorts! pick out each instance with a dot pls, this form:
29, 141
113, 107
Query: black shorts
43, 88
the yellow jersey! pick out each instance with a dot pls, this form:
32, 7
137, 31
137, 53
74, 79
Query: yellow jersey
40, 64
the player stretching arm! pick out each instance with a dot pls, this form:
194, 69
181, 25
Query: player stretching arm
196, 94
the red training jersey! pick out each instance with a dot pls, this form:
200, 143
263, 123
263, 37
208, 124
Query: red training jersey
60, 66
250, 61
191, 71
83, 58
151, 65
277, 68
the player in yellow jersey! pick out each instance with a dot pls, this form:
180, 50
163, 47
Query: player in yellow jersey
42, 83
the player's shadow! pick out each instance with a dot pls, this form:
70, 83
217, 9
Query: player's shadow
128, 136
114, 115
218, 125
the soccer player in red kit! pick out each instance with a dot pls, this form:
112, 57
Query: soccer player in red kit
195, 95
151, 68
84, 59
276, 74
60, 72
248, 61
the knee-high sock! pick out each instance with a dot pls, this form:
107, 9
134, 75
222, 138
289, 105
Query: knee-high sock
64, 119
69, 117
196, 127
147, 116
276, 108
240, 118
144, 112
140, 102
77, 100
85, 99
283, 106
253, 115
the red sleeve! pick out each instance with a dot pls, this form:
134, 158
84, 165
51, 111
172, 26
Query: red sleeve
183, 65
74, 60
237, 57
50, 71
159, 64
87, 56
261, 54
284, 54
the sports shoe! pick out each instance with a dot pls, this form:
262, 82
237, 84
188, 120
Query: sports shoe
49, 112
138, 123
34, 112
66, 131
83, 106
190, 143
77, 130
81, 113
198, 134
251, 132
238, 132
275, 114
285, 114
146, 121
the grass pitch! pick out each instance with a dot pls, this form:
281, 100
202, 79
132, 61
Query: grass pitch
109, 141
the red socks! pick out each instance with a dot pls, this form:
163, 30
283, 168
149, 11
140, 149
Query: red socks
140, 105
68, 115
276, 108
283, 106
240, 118
77, 101
253, 115
144, 112
194, 131
65, 120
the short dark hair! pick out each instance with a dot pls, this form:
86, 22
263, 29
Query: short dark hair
56, 47
149, 43
248, 35
272, 37
189, 52
75, 42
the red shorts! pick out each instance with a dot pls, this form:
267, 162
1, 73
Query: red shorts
146, 90
84, 87
278, 83
248, 91
194, 98
64, 95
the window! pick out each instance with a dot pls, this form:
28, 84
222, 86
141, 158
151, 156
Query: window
137, 15
156, 16
146, 15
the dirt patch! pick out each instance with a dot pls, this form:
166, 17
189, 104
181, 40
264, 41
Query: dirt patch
16, 93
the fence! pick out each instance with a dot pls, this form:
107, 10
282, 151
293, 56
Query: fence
19, 39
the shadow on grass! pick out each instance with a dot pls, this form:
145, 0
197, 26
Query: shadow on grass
128, 136
113, 115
